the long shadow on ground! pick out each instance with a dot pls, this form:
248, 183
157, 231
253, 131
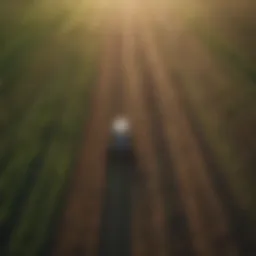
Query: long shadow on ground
115, 237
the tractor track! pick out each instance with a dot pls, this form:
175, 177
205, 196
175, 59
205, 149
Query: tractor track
178, 233
115, 234
238, 222
149, 227
237, 219
208, 224
80, 225
172, 202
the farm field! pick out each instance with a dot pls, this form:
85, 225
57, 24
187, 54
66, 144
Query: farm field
182, 73
48, 67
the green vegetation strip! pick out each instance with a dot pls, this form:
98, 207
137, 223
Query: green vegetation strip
46, 106
225, 52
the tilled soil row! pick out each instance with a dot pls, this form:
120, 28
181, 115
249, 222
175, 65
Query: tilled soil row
149, 227
208, 224
79, 228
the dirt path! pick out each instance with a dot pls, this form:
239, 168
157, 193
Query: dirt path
187, 175
139, 117
207, 220
79, 232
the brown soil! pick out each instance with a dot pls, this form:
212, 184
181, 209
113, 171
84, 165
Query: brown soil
79, 230
208, 224
153, 205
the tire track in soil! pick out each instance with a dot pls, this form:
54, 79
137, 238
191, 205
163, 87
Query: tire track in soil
152, 207
178, 232
190, 48
79, 230
115, 225
238, 220
207, 221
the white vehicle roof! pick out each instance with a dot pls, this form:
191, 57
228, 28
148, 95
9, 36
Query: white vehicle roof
120, 125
